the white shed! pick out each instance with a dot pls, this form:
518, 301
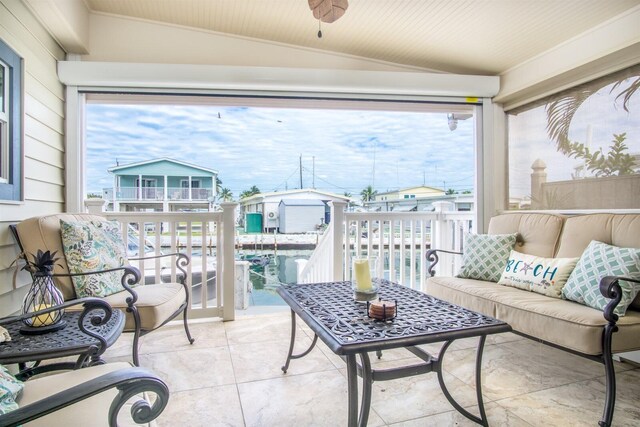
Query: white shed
300, 215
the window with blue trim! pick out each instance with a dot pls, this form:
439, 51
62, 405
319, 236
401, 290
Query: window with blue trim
10, 124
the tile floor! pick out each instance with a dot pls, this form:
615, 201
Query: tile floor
231, 377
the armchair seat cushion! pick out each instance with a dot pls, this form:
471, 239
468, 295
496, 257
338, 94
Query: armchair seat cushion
557, 321
156, 304
89, 412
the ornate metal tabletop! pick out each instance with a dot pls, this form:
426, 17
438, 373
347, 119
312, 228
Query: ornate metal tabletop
342, 323
69, 341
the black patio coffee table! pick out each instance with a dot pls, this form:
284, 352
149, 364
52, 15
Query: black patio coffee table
343, 325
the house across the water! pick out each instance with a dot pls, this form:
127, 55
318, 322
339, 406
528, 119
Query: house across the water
161, 185
262, 212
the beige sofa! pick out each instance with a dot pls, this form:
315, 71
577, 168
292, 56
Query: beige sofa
565, 324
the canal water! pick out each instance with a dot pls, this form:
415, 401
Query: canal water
265, 279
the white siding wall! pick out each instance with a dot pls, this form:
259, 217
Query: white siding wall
43, 139
300, 219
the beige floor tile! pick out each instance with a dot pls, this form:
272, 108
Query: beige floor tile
258, 361
205, 407
315, 399
496, 415
577, 404
188, 370
414, 397
259, 329
506, 373
122, 347
174, 338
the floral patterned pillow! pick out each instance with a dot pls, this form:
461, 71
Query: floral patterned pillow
94, 246
10, 389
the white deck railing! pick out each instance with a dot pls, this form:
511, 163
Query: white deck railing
207, 237
399, 241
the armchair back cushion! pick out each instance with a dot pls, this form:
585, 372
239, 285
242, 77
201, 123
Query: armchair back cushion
43, 232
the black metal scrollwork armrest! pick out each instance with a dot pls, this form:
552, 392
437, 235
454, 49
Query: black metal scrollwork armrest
433, 258
90, 305
610, 288
182, 261
130, 277
129, 382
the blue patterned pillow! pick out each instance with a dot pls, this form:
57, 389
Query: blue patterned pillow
10, 389
94, 246
486, 255
599, 260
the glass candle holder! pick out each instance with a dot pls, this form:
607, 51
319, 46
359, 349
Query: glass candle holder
365, 287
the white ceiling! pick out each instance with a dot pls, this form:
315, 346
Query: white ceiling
460, 36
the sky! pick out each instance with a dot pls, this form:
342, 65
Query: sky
262, 146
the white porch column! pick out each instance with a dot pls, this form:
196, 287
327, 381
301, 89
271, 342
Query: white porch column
228, 260
189, 187
95, 206
166, 190
337, 218
139, 187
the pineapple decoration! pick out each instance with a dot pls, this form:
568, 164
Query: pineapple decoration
43, 294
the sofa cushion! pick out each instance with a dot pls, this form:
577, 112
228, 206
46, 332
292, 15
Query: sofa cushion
565, 323
622, 230
93, 411
94, 246
486, 255
43, 232
538, 233
546, 276
600, 260
156, 303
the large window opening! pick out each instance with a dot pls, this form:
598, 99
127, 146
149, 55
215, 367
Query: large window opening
578, 149
381, 155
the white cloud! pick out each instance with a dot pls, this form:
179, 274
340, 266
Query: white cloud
261, 146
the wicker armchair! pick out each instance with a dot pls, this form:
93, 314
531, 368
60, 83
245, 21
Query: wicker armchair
148, 307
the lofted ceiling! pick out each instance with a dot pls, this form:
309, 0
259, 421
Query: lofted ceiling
459, 36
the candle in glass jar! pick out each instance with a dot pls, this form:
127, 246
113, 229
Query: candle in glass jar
362, 274
43, 319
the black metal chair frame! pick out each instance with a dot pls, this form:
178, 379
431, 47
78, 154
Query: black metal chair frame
609, 288
129, 382
130, 277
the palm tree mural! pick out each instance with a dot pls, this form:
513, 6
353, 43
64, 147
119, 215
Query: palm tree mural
226, 194
368, 194
562, 108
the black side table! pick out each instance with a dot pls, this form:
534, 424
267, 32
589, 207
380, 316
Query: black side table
88, 333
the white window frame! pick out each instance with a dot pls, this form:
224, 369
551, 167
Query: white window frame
4, 124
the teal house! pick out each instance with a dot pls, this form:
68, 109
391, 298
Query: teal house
164, 184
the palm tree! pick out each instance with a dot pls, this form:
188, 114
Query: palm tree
450, 192
368, 194
250, 192
226, 194
561, 108
218, 185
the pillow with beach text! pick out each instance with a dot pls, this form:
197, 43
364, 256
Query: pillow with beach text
546, 276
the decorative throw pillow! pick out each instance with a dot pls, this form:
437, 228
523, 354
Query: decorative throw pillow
485, 255
545, 276
599, 260
94, 246
10, 389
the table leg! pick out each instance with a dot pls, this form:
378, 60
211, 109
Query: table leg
482, 420
367, 381
290, 355
352, 387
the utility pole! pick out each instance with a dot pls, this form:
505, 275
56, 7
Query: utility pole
301, 171
313, 173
